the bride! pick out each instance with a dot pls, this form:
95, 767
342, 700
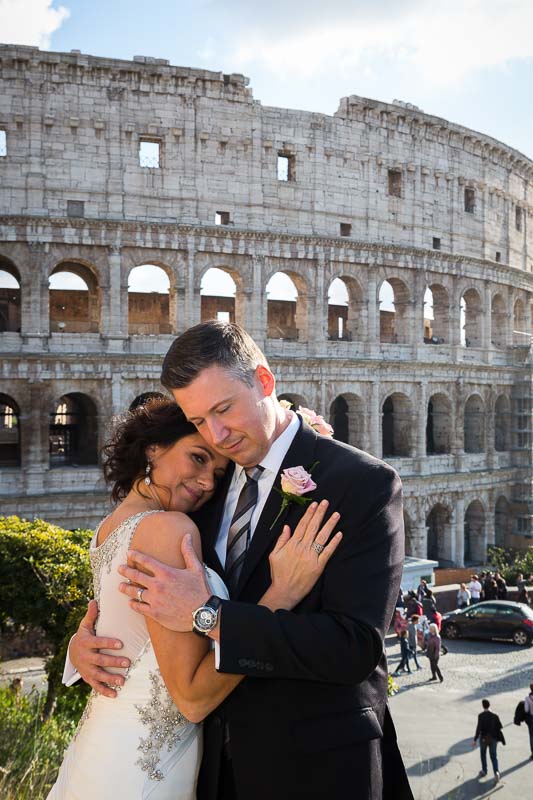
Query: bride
147, 742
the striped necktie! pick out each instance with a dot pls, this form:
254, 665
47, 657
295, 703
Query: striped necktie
240, 528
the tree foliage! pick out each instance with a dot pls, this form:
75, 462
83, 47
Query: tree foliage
510, 562
45, 581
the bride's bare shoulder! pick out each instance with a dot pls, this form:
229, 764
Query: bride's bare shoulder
160, 536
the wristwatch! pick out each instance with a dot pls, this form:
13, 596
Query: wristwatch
205, 618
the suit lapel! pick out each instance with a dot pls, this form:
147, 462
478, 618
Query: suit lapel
300, 453
210, 519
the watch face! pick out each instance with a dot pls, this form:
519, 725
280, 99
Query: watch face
205, 618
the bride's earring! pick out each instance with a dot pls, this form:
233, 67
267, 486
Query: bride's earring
147, 471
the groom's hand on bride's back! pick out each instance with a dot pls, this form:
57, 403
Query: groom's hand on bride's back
84, 654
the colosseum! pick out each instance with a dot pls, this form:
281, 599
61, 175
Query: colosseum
138, 198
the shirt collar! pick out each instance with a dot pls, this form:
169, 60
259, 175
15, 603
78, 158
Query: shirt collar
278, 449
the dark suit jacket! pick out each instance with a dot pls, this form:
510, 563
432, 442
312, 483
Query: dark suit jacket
311, 718
489, 727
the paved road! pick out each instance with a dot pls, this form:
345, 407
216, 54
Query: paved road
436, 722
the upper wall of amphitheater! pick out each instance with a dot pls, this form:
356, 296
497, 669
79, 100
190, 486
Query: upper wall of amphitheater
387, 172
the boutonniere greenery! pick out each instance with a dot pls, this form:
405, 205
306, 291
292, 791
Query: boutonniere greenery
295, 483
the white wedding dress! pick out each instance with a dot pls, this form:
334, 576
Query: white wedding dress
137, 745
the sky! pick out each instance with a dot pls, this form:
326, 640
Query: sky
469, 61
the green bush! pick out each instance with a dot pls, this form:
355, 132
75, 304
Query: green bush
31, 750
510, 562
45, 581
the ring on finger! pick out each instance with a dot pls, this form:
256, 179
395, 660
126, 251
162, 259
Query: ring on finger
318, 548
140, 591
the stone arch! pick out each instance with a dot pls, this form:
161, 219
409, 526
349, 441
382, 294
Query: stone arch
471, 318
520, 335
219, 295
439, 425
436, 314
502, 423
498, 316
503, 524
397, 425
439, 534
393, 312
143, 398
410, 538
10, 297
9, 432
346, 416
346, 309
76, 309
286, 316
73, 434
475, 535
149, 296
474, 425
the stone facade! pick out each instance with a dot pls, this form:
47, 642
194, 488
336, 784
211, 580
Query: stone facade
377, 193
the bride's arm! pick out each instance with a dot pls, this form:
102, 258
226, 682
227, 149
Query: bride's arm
187, 667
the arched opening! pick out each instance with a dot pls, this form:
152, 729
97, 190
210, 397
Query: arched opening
346, 418
143, 398
475, 543
73, 436
74, 300
396, 426
502, 424
498, 322
286, 308
9, 432
9, 298
439, 425
393, 307
438, 534
338, 302
520, 335
436, 315
296, 400
148, 301
471, 319
217, 295
474, 430
503, 524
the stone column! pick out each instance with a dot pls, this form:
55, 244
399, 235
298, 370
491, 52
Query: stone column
373, 312
375, 420
459, 526
257, 305
318, 321
192, 292
486, 342
420, 537
115, 316
421, 424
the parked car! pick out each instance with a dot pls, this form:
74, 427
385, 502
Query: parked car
493, 619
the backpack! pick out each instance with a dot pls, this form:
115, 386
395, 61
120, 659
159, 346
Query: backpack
520, 713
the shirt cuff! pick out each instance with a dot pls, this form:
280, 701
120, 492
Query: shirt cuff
217, 655
70, 673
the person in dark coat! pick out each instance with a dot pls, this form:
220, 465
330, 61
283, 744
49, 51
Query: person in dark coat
489, 733
433, 652
502, 586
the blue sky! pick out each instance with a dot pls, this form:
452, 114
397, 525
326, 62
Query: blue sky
469, 61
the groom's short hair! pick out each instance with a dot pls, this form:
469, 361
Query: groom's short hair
210, 343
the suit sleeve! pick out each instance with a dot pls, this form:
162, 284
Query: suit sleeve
342, 642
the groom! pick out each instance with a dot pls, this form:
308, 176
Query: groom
311, 719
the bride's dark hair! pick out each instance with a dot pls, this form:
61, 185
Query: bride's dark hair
158, 421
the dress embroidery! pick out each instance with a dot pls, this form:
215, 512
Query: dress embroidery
163, 721
85, 714
103, 555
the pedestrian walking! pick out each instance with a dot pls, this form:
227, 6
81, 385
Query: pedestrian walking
489, 732
528, 717
412, 638
474, 588
433, 651
463, 596
502, 586
405, 650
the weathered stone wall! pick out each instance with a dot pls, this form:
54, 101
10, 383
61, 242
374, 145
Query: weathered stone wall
75, 198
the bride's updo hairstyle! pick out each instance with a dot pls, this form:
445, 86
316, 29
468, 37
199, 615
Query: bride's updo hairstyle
158, 421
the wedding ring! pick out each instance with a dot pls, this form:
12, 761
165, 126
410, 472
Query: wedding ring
140, 593
317, 547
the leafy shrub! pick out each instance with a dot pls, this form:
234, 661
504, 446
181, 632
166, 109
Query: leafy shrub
510, 562
31, 750
45, 581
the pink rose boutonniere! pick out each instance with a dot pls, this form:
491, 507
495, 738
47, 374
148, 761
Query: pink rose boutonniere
295, 482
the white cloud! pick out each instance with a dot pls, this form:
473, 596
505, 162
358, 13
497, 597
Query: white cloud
30, 22
440, 43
